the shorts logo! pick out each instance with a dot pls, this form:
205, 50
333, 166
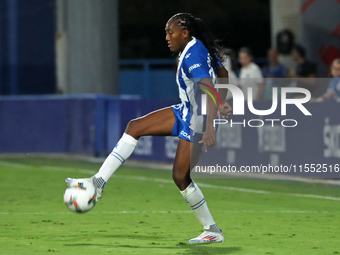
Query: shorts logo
185, 134
193, 67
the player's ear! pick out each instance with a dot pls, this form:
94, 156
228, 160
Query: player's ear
185, 33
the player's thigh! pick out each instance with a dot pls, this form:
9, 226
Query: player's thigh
158, 123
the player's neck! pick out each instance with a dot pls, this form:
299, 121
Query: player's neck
185, 44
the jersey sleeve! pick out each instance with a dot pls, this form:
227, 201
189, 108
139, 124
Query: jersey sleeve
195, 64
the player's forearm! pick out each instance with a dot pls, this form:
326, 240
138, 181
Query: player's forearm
223, 94
211, 106
211, 112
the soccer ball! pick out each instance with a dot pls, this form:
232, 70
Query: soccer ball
80, 196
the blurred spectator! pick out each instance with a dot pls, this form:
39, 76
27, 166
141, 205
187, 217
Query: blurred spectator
274, 69
228, 61
334, 86
250, 75
304, 69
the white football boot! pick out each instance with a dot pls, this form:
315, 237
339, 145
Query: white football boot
71, 181
208, 237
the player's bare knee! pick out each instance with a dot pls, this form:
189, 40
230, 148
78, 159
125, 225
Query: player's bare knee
133, 129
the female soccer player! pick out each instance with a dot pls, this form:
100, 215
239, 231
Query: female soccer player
197, 67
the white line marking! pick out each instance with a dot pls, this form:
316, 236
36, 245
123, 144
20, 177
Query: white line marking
268, 176
313, 196
11, 164
142, 178
233, 188
165, 212
68, 169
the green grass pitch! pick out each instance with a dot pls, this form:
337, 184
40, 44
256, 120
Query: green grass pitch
142, 212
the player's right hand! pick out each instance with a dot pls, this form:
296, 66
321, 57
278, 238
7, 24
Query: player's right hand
208, 138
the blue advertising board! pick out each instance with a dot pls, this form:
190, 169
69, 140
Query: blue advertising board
93, 124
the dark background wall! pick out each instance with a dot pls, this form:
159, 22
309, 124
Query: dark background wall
27, 53
236, 22
28, 31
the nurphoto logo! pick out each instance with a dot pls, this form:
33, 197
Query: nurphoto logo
239, 99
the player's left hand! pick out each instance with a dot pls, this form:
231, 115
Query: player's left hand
224, 110
208, 138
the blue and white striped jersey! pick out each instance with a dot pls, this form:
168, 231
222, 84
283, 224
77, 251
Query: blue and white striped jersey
194, 64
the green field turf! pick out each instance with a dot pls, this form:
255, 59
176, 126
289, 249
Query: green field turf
142, 212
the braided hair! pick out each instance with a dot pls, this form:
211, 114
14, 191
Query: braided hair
201, 31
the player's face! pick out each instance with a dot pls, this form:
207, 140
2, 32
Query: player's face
245, 59
176, 36
336, 70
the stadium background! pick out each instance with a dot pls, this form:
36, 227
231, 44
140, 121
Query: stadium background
73, 73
